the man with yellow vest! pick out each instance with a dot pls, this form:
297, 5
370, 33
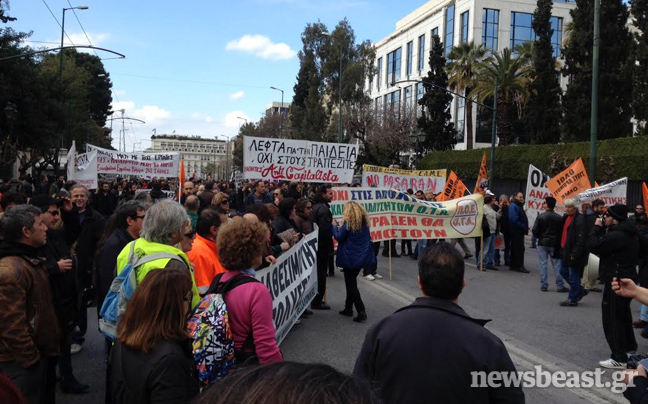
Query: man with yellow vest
164, 226
204, 254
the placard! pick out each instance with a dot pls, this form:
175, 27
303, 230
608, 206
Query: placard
298, 160
396, 215
610, 193
145, 165
86, 170
292, 283
402, 180
570, 182
455, 188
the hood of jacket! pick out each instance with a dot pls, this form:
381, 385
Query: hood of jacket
627, 226
8, 249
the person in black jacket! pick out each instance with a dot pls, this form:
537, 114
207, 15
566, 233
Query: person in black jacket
412, 367
152, 361
614, 239
61, 270
322, 216
284, 221
105, 201
546, 229
572, 244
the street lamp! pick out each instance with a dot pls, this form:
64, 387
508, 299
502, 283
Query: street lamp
340, 137
280, 111
416, 138
245, 119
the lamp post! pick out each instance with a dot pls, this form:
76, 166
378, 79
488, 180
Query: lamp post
245, 119
341, 128
416, 138
280, 111
595, 85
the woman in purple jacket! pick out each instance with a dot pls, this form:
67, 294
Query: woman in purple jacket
354, 252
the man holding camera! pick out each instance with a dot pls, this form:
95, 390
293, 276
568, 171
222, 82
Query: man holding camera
614, 239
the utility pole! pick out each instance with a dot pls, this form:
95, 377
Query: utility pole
595, 85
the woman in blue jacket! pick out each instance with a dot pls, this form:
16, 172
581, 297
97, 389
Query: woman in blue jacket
354, 252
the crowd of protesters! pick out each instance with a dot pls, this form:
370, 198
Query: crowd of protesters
63, 246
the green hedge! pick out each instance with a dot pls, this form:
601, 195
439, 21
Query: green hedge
623, 157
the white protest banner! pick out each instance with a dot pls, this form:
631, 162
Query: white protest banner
298, 160
396, 215
292, 283
86, 170
611, 193
417, 180
150, 165
536, 192
71, 159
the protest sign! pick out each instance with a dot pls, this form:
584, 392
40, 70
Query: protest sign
147, 165
298, 160
396, 215
610, 193
482, 178
394, 178
454, 188
71, 160
86, 170
292, 283
570, 182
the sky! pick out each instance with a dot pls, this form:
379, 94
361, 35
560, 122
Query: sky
196, 66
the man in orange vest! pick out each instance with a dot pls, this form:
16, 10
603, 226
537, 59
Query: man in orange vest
203, 254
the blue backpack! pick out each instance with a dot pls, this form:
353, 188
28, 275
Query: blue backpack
122, 289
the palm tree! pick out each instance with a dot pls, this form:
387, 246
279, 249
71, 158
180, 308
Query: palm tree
464, 63
512, 76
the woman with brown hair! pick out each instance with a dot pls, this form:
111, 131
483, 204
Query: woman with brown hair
152, 361
302, 215
240, 250
221, 200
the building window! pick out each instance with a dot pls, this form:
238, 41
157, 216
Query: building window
490, 28
379, 74
410, 51
460, 115
449, 29
464, 27
419, 92
556, 38
408, 99
435, 31
421, 53
396, 97
522, 30
393, 66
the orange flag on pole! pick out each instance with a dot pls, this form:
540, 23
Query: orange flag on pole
644, 192
181, 179
570, 182
482, 178
454, 188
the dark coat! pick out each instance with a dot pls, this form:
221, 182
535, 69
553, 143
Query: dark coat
518, 222
575, 252
547, 228
166, 374
281, 224
643, 257
433, 359
303, 224
618, 250
322, 217
91, 230
105, 203
107, 262
355, 249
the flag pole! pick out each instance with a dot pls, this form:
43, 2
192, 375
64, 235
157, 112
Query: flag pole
481, 265
390, 261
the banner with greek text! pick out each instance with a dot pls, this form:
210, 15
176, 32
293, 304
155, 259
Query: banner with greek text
86, 170
298, 160
396, 215
145, 165
570, 182
417, 180
482, 178
536, 192
610, 193
292, 283
455, 188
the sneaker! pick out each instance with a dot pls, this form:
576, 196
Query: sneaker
612, 364
544, 289
583, 293
378, 276
370, 277
75, 349
568, 303
563, 290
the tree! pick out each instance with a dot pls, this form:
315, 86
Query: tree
639, 10
436, 120
465, 60
615, 78
543, 113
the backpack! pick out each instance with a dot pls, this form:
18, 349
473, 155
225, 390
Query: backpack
211, 333
122, 289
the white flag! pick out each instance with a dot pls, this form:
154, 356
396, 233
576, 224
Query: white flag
71, 160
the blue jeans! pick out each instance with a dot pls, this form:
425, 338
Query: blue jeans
544, 254
573, 277
644, 312
489, 251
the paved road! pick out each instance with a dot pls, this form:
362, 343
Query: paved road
535, 329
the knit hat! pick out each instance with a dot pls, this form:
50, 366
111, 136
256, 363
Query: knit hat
618, 212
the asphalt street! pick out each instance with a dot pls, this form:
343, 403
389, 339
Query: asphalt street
536, 330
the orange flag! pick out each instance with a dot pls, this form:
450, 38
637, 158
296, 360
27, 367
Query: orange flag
181, 180
644, 191
570, 182
454, 188
482, 178
596, 185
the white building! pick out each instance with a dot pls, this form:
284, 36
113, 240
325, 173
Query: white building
403, 55
197, 153
274, 107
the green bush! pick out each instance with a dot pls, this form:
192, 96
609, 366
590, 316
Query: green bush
617, 158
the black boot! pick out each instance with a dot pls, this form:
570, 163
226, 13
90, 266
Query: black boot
73, 386
361, 317
347, 312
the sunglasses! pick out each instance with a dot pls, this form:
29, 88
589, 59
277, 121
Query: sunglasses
191, 234
54, 212
224, 201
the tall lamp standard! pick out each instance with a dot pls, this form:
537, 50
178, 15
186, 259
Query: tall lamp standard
61, 53
416, 138
341, 129
280, 111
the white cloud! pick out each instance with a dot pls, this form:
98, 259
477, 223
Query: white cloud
237, 95
151, 114
125, 105
232, 119
262, 47
202, 117
80, 38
